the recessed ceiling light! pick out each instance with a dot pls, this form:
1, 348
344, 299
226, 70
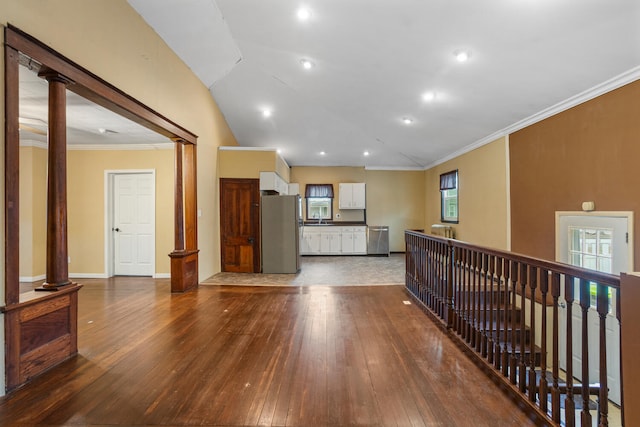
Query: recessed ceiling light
407, 120
462, 55
266, 113
322, 153
366, 153
279, 151
428, 96
306, 64
303, 14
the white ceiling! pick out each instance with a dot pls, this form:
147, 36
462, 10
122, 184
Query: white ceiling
375, 58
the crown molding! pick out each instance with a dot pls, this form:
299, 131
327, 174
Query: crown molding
614, 83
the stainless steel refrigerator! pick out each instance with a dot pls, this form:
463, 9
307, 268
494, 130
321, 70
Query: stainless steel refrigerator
280, 223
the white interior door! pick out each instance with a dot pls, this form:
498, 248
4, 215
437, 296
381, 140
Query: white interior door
133, 228
602, 243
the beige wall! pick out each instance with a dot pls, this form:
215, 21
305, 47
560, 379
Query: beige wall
110, 39
33, 212
304, 175
244, 163
394, 198
483, 198
86, 204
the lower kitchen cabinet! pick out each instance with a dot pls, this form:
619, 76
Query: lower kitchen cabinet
333, 240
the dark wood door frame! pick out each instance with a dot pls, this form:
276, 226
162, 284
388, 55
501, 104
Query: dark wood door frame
26, 316
184, 258
235, 213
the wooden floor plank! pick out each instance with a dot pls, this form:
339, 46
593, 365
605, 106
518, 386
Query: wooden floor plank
268, 356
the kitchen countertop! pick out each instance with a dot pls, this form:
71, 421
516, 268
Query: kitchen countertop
314, 223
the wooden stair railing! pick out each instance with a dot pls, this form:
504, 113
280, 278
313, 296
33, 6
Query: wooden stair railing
504, 307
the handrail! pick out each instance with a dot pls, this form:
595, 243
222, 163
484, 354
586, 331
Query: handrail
488, 300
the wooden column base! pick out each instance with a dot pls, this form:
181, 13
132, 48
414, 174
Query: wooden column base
41, 332
52, 287
184, 270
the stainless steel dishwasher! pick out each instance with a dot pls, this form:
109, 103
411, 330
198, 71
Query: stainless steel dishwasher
378, 240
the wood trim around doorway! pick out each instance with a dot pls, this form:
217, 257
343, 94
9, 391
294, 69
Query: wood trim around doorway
60, 341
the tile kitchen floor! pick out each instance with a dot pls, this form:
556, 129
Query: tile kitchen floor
326, 271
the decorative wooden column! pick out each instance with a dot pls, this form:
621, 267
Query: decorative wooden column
184, 259
57, 274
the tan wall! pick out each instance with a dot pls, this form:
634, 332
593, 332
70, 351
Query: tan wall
482, 195
33, 212
587, 153
86, 204
110, 39
304, 175
249, 164
396, 199
245, 163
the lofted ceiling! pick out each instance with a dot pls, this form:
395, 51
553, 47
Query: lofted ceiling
374, 60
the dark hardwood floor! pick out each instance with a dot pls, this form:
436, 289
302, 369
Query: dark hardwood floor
249, 356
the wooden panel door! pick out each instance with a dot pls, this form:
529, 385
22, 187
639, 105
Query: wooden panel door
240, 225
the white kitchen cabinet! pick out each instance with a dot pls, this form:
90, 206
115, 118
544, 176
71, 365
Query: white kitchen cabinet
330, 241
271, 181
352, 195
354, 240
333, 240
310, 240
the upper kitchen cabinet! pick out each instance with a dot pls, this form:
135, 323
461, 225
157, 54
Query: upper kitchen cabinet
352, 196
271, 181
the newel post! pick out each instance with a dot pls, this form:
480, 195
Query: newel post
629, 317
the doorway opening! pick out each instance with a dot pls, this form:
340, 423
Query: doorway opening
601, 241
130, 237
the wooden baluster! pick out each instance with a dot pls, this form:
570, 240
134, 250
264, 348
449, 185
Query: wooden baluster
602, 306
467, 297
523, 305
507, 307
497, 361
459, 292
515, 279
450, 285
569, 404
489, 281
585, 304
482, 271
477, 287
533, 283
475, 301
543, 388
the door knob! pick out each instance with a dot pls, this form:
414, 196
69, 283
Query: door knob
116, 229
251, 240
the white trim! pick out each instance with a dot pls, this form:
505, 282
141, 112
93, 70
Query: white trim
33, 143
393, 168
620, 80
614, 214
238, 148
108, 216
120, 147
161, 276
30, 279
88, 276
508, 189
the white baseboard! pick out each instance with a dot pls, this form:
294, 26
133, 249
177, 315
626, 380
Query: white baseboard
88, 276
28, 279
162, 276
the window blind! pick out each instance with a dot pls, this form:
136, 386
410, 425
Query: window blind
318, 190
